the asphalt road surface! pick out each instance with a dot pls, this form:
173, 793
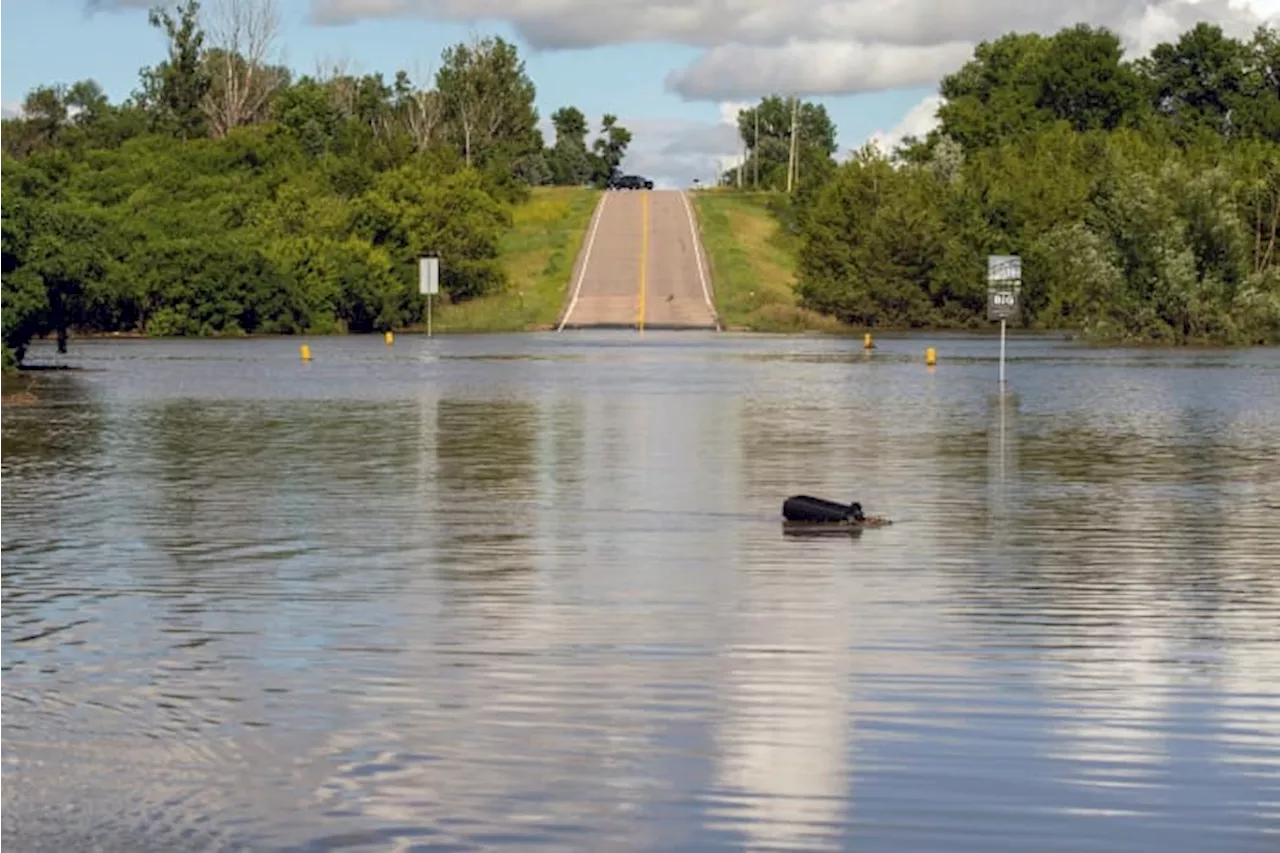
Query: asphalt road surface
641, 261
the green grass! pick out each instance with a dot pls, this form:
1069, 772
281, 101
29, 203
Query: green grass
538, 253
753, 265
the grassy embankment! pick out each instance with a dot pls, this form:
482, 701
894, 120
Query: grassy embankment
753, 265
538, 252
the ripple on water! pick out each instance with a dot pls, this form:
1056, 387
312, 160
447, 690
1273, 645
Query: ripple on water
533, 592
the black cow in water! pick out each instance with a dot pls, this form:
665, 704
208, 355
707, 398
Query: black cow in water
805, 508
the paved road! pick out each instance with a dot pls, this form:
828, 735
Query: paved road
642, 251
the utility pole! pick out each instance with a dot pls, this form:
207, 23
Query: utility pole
791, 158
799, 140
755, 154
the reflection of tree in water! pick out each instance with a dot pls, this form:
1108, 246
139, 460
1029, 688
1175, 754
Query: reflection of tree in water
57, 509
1130, 561
286, 523
56, 484
823, 445
61, 433
1116, 499
255, 476
256, 540
1086, 503
564, 479
486, 493
486, 447
262, 509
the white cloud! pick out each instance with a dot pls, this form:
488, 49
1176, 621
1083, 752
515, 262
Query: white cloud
729, 110
810, 47
814, 68
918, 121
673, 151
10, 110
751, 48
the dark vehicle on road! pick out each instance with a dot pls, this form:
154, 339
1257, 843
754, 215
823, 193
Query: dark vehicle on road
629, 182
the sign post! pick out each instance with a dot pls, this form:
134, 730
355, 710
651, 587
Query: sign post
429, 283
1004, 288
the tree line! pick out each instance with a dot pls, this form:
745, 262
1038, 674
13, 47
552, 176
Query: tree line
225, 195
1143, 195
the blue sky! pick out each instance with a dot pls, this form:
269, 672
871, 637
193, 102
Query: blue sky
673, 87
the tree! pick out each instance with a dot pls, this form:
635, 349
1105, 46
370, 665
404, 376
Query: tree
765, 130
416, 210
307, 109
25, 300
225, 197
87, 104
874, 245
1083, 81
609, 148
569, 160
488, 100
46, 114
241, 34
178, 86
1197, 82
994, 95
570, 125
420, 111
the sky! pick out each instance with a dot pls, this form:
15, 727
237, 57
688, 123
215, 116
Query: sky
675, 72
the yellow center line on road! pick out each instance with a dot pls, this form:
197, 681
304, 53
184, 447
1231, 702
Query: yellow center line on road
644, 251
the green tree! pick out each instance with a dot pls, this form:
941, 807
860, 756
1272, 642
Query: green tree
179, 84
46, 113
415, 211
765, 130
488, 101
1196, 82
1084, 81
569, 160
994, 95
885, 274
609, 149
26, 300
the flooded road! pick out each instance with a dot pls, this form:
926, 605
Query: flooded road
533, 592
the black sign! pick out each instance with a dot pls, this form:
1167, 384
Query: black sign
1002, 301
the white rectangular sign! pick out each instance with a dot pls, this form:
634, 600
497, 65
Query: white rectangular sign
428, 275
1002, 268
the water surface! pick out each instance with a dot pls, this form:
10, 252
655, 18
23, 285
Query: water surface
533, 592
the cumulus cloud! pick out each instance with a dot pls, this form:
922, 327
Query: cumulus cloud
557, 24
917, 122
729, 110
674, 152
813, 68
803, 47
810, 47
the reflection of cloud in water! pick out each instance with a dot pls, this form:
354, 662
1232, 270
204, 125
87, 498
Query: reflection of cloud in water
1162, 610
823, 632
526, 701
1246, 672
288, 616
783, 742
1119, 698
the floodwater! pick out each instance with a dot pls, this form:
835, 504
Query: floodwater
533, 592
